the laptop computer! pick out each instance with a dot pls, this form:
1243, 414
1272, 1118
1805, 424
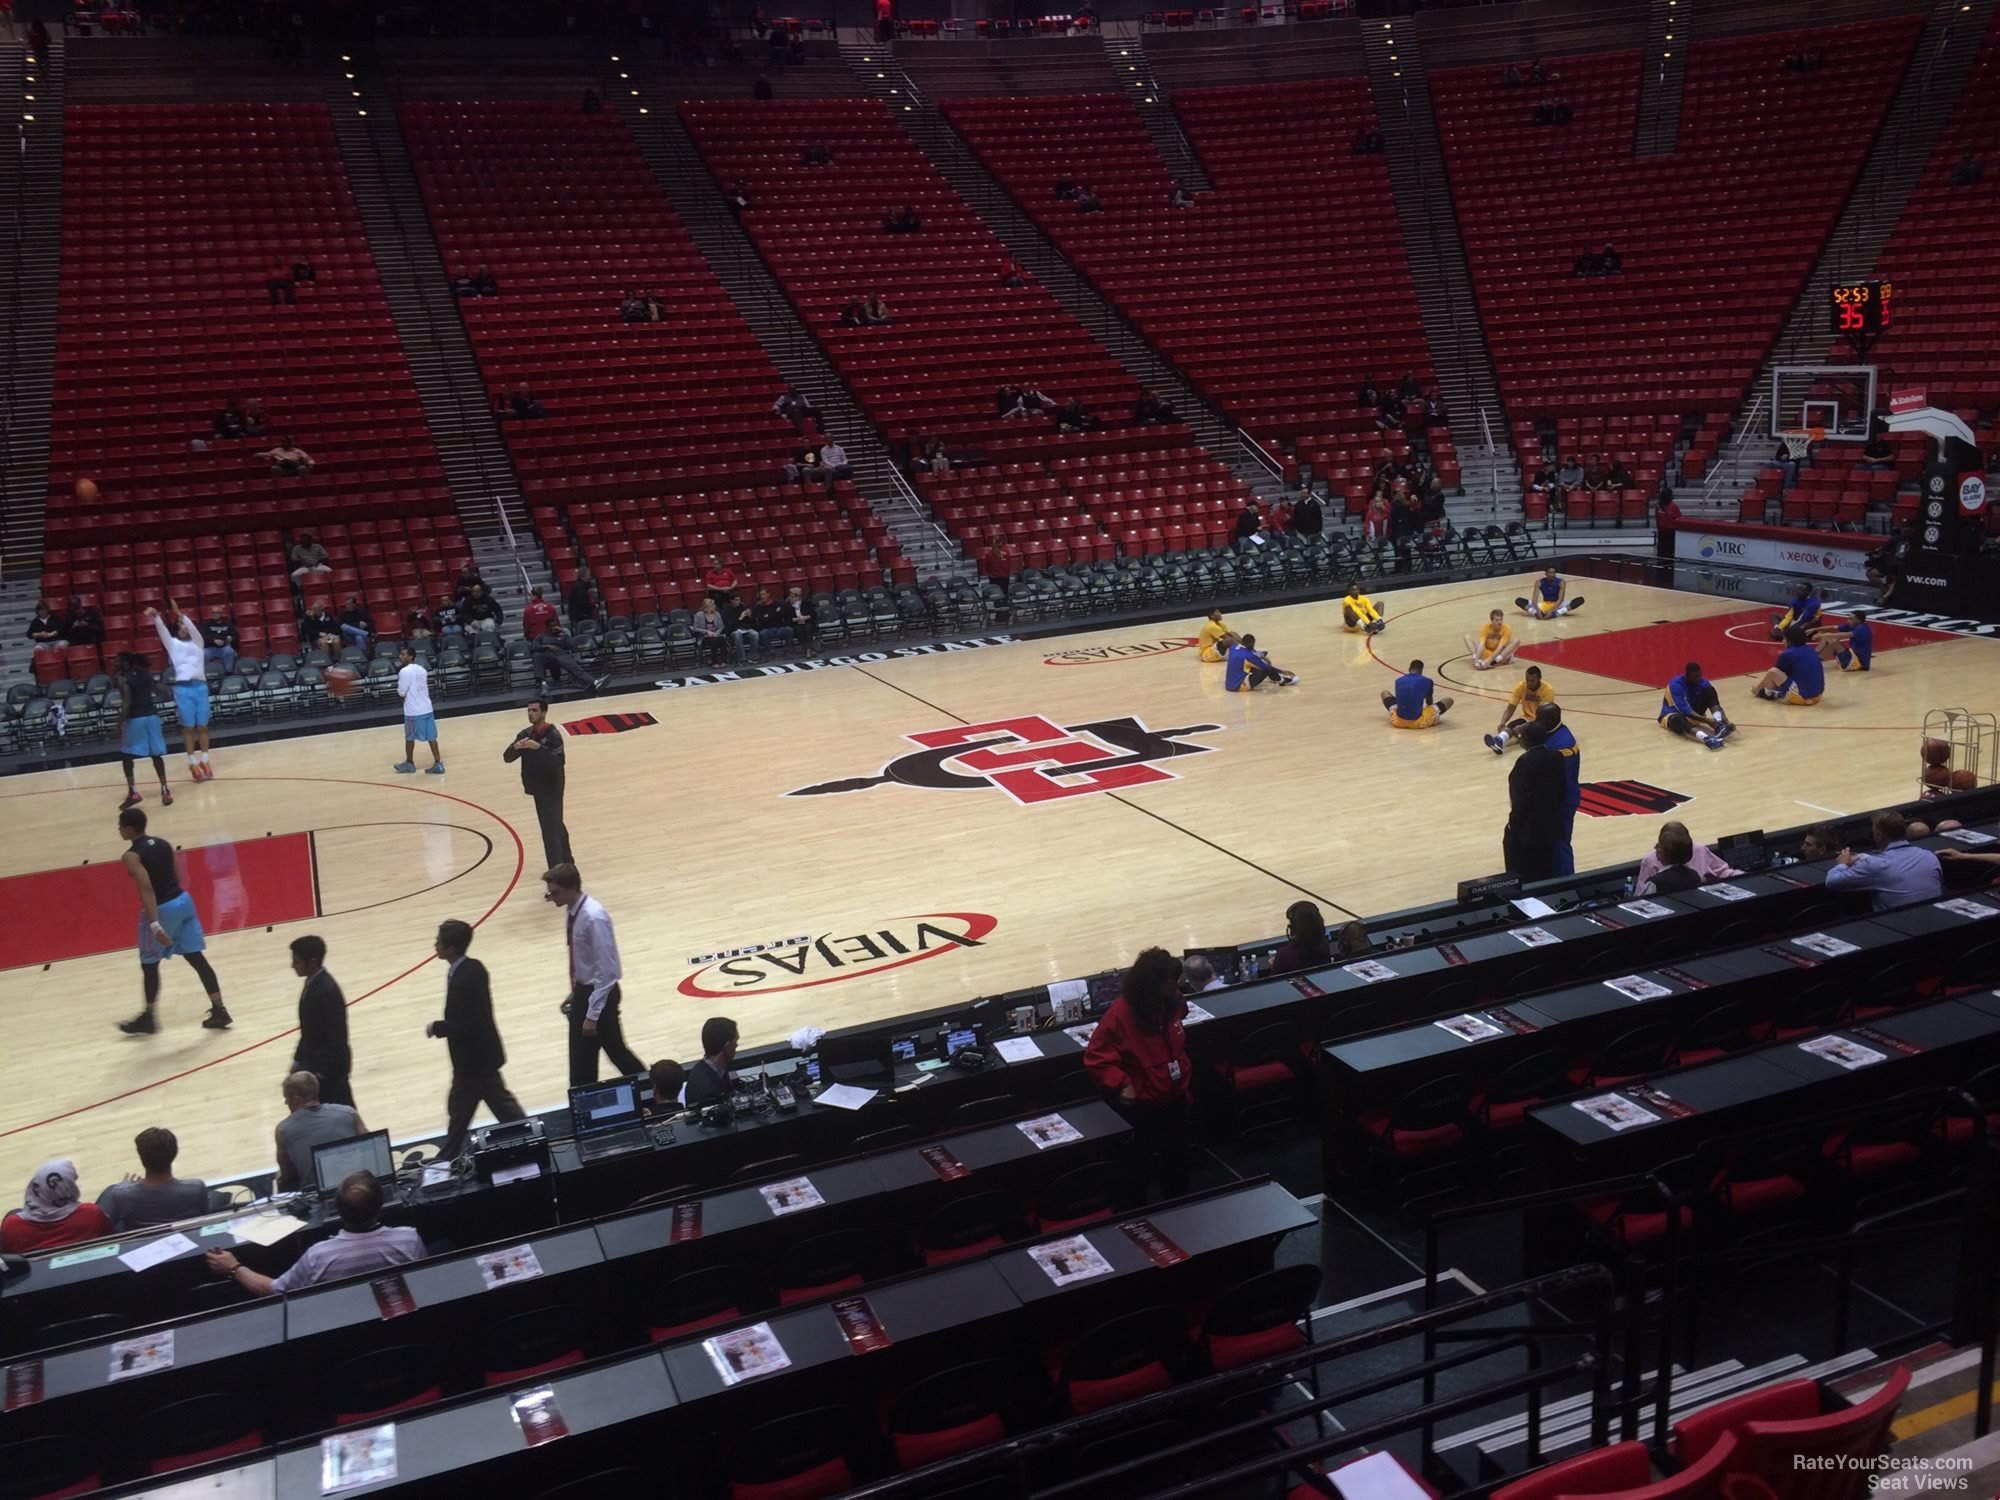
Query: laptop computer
606, 1119
336, 1161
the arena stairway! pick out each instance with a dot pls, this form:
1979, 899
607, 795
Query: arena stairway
1663, 76
31, 188
885, 78
663, 140
1923, 103
417, 287
1128, 59
1489, 472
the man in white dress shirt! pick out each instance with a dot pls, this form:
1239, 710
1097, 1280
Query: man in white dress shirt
187, 661
592, 1006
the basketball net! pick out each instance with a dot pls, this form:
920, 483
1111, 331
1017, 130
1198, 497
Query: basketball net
1799, 440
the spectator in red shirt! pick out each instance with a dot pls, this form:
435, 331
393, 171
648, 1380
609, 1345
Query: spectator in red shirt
52, 1213
1138, 1055
536, 616
720, 580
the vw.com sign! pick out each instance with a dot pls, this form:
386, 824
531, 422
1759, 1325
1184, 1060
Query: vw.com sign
1816, 554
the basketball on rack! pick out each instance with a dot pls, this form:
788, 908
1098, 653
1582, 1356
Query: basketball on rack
1964, 781
1933, 775
340, 681
1937, 753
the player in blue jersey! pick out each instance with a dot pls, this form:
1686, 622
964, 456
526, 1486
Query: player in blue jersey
1799, 678
1804, 613
1852, 645
1413, 703
1550, 599
1557, 737
1250, 668
1690, 706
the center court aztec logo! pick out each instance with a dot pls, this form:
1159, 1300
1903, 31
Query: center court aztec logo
1627, 799
1090, 656
803, 963
1031, 759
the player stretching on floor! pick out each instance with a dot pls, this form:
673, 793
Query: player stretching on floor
1799, 678
1691, 707
1359, 613
1413, 704
187, 659
1216, 637
167, 924
1803, 613
139, 731
1250, 668
1852, 645
1551, 599
1530, 693
1493, 646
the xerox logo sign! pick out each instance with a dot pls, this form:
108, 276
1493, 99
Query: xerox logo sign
803, 963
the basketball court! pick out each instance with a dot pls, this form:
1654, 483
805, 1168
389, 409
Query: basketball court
831, 846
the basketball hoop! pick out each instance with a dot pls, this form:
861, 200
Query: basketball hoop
1799, 440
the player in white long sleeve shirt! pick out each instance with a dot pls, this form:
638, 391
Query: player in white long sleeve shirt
187, 662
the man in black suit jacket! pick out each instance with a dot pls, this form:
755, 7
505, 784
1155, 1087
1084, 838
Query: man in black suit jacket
322, 1048
477, 1055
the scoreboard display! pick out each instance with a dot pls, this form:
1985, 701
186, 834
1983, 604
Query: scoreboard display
1861, 308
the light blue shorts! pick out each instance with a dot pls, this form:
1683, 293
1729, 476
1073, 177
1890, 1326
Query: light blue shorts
143, 736
423, 728
191, 702
183, 930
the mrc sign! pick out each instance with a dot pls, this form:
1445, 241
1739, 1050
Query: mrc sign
1814, 555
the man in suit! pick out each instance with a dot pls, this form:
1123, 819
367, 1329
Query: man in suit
322, 1047
477, 1054
539, 749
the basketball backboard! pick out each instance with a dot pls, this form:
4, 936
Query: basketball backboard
1838, 398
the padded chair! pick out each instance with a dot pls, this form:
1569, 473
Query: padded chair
977, 1112
1084, 1195
1259, 1318
970, 1226
1716, 1034
370, 1386
1633, 1054
1777, 1427
197, 1430
47, 1468
1128, 1357
1504, 1103
951, 1412
533, 1343
1431, 1118
1625, 1470
884, 1140
802, 1455
826, 1263
693, 1301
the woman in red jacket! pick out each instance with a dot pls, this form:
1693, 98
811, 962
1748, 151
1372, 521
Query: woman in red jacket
1138, 1055
52, 1213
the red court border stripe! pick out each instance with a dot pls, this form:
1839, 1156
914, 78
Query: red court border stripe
520, 863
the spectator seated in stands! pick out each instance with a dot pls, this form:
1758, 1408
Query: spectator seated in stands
288, 458
418, 625
481, 612
228, 423
357, 625
52, 1213
805, 468
1597, 473
537, 615
1511, 77
903, 220
467, 576
1368, 140
1673, 865
1706, 864
1353, 942
833, 461
253, 417
158, 1197
449, 616
1968, 172
48, 627
1555, 112
935, 458
816, 155
479, 284
1412, 389
1305, 945
1539, 74
669, 1079
721, 582
1569, 476
1036, 399
1366, 395
639, 307
1151, 411
795, 407
875, 310
303, 270
84, 623
1586, 264
554, 656
1609, 261
278, 282
1066, 188
798, 617
1071, 417
711, 633
1878, 452
319, 628
523, 403
1087, 201
771, 620
308, 556
1180, 197
1616, 475
1790, 466
363, 1244
1434, 408
1198, 975
853, 313
1012, 403
1805, 61
218, 640
1896, 874
737, 195
1013, 273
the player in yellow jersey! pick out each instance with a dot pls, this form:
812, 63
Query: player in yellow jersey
1216, 637
1531, 693
1493, 646
1359, 614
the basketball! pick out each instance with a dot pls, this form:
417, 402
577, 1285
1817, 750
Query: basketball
1963, 781
1937, 753
1933, 775
86, 490
340, 681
